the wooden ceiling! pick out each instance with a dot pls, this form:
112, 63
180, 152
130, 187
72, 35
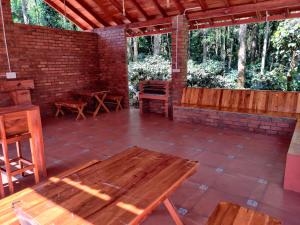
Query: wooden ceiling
145, 17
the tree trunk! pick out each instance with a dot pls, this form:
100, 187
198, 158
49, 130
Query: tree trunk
293, 66
254, 43
156, 44
242, 56
223, 50
24, 11
265, 48
129, 49
135, 49
204, 45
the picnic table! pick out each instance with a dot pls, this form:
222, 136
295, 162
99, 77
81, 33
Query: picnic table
123, 189
99, 96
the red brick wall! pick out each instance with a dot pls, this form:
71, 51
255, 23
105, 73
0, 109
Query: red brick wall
249, 122
112, 46
59, 61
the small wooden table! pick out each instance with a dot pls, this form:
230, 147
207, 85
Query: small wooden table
232, 214
124, 189
98, 95
31, 113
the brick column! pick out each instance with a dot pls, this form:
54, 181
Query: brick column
179, 56
112, 49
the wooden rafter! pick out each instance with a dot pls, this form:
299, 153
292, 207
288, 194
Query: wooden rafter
159, 8
77, 12
140, 9
91, 11
204, 6
69, 17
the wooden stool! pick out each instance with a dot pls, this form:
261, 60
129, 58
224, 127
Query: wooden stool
1, 187
229, 213
115, 99
73, 105
13, 130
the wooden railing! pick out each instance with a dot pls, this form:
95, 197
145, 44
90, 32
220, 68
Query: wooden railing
268, 101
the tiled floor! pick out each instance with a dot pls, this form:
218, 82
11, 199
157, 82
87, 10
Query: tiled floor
235, 166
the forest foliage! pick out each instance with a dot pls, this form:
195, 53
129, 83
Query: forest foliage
271, 57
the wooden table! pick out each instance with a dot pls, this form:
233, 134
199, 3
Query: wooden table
98, 95
232, 214
124, 189
31, 115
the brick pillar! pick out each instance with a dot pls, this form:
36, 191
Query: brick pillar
179, 56
112, 48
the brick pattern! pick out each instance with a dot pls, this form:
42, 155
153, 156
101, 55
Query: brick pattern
249, 122
179, 56
154, 106
59, 61
112, 46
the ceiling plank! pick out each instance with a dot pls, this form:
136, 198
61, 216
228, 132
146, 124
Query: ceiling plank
91, 11
159, 8
119, 8
179, 6
140, 9
106, 12
68, 16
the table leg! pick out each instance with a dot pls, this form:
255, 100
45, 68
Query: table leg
37, 142
172, 212
80, 113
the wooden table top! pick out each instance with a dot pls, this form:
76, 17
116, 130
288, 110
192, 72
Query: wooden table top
121, 190
227, 213
17, 108
90, 93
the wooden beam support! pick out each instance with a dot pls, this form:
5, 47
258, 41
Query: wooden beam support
244, 9
90, 10
68, 16
140, 9
150, 23
77, 12
159, 8
204, 6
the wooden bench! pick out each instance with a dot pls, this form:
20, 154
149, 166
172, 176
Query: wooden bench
115, 99
72, 105
268, 112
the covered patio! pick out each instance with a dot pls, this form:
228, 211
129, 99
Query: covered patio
252, 159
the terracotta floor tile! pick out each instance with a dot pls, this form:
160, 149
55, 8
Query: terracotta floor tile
234, 166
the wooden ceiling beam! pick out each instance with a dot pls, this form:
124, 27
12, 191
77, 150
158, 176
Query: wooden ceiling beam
91, 11
179, 6
68, 16
204, 6
159, 8
119, 8
79, 14
140, 9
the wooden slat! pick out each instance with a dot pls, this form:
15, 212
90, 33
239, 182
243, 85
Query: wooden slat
229, 214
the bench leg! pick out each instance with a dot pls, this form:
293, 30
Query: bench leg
172, 212
80, 113
119, 105
19, 154
59, 111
